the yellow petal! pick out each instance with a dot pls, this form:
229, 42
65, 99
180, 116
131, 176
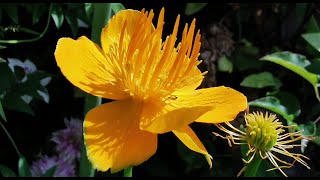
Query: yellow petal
191, 140
83, 64
158, 118
113, 138
227, 104
217, 104
111, 32
191, 81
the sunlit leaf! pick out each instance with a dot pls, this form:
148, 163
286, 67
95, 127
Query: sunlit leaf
261, 80
116, 7
57, 16
273, 104
313, 39
192, 8
23, 168
225, 65
296, 63
6, 172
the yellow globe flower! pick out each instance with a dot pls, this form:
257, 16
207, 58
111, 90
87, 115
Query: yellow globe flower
153, 84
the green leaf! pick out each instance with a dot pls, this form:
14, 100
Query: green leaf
2, 113
89, 10
73, 23
246, 57
192, 8
316, 140
264, 165
308, 128
290, 101
261, 80
57, 16
7, 78
37, 11
2, 47
225, 65
6, 172
116, 7
312, 25
273, 104
12, 11
23, 168
85, 166
13, 101
313, 39
99, 10
50, 172
314, 67
33, 86
296, 63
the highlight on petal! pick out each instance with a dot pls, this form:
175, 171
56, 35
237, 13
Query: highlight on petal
111, 32
227, 103
84, 65
210, 105
113, 138
161, 118
191, 140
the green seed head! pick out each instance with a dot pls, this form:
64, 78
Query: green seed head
262, 131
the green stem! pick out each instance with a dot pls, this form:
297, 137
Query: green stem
101, 16
253, 166
29, 31
15, 41
10, 138
127, 172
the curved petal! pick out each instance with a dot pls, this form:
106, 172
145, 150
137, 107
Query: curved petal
111, 32
191, 140
227, 104
158, 118
211, 105
113, 138
192, 80
83, 64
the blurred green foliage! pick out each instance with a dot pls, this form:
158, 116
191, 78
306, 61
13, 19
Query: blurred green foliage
275, 63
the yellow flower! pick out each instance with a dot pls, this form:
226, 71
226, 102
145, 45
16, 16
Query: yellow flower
153, 84
265, 136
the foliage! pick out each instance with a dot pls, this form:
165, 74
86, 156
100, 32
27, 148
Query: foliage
275, 63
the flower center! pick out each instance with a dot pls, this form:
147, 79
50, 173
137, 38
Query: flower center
262, 131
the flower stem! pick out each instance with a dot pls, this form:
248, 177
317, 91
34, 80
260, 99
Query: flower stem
16, 41
252, 168
10, 138
101, 16
127, 172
